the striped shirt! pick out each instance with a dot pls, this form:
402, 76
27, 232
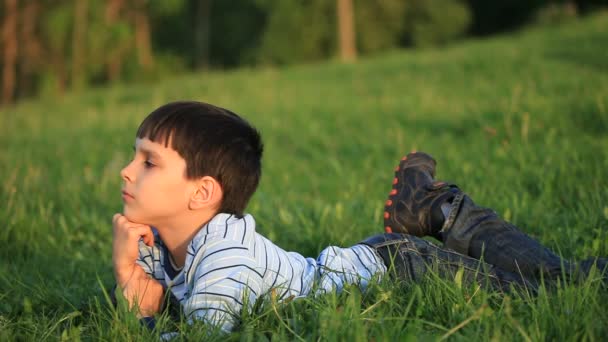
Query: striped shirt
229, 265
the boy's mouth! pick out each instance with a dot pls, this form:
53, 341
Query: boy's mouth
126, 196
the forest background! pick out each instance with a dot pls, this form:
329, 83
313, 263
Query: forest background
51, 46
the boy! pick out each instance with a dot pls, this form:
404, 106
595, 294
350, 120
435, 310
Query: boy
183, 229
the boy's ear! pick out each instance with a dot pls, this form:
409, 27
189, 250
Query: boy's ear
208, 194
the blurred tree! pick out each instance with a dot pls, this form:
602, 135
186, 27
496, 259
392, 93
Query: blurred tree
49, 46
79, 48
9, 42
556, 12
202, 28
585, 6
298, 31
380, 24
113, 37
31, 54
346, 30
143, 45
55, 28
433, 22
238, 28
501, 15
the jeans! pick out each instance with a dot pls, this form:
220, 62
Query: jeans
489, 251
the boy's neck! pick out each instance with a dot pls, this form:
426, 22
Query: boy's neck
178, 233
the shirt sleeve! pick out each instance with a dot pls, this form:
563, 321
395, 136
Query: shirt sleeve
224, 280
149, 259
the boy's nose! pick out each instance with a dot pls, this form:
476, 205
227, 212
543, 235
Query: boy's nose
125, 174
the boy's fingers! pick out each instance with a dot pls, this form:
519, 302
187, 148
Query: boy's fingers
136, 230
121, 221
149, 237
116, 217
143, 231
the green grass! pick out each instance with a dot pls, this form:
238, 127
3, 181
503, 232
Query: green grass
519, 122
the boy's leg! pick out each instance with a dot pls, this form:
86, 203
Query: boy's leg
482, 234
420, 206
410, 258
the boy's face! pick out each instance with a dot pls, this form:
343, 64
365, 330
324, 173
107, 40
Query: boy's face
155, 187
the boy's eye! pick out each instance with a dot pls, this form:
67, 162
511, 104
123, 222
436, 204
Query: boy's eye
148, 164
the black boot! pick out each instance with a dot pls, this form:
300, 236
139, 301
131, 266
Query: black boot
414, 204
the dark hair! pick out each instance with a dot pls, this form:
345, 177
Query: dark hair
214, 142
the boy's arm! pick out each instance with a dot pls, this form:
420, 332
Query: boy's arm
136, 285
222, 284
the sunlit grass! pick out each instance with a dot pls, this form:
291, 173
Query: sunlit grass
519, 122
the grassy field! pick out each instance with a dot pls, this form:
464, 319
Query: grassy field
520, 122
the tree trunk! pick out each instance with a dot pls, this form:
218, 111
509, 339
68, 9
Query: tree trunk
115, 56
112, 10
59, 69
202, 33
142, 35
346, 31
31, 49
79, 44
9, 38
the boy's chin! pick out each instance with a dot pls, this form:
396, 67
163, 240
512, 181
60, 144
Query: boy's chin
133, 215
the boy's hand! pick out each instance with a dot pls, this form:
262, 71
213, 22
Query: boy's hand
135, 284
125, 249
146, 291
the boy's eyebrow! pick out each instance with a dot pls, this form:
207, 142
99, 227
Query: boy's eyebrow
147, 151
